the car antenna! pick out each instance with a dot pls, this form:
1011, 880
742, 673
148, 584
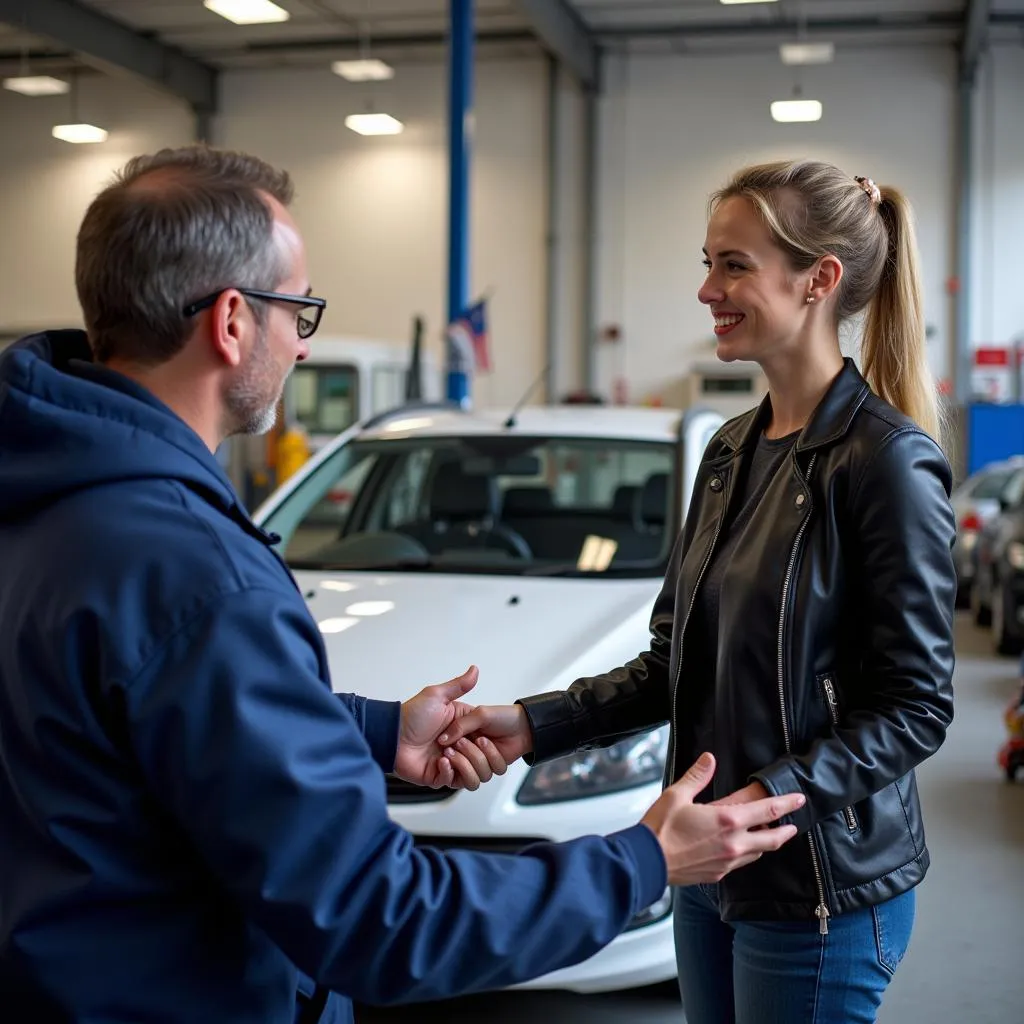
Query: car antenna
511, 421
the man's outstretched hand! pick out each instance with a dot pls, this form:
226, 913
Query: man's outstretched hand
422, 760
704, 842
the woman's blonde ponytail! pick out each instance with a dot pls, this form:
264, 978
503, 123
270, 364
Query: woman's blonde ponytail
893, 351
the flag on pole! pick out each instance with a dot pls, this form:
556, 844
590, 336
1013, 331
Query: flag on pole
468, 334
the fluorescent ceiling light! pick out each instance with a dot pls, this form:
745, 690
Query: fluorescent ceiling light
807, 53
748, 1
788, 111
79, 133
370, 70
36, 85
248, 12
374, 124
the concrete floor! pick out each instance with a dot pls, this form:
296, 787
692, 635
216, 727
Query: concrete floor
965, 961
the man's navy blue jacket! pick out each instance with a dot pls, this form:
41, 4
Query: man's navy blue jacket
189, 817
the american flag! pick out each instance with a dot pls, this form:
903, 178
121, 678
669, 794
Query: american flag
468, 333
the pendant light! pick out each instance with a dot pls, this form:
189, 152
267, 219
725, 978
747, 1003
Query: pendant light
76, 130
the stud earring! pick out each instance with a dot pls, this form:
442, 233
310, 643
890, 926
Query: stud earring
810, 299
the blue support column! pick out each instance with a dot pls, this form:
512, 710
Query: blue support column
460, 150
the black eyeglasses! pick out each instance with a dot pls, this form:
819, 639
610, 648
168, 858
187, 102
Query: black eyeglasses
307, 320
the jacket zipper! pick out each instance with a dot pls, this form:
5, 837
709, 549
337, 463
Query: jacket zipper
682, 633
822, 911
833, 707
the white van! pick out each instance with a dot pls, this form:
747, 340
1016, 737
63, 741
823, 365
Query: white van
345, 380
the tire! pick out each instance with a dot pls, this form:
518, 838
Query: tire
981, 613
1004, 641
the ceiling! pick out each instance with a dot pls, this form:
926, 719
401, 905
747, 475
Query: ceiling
414, 30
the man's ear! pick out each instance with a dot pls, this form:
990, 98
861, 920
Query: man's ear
230, 325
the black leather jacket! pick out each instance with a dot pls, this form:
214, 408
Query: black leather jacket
834, 675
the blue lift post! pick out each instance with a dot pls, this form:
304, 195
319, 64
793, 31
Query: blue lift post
460, 149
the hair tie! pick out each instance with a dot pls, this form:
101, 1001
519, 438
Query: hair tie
871, 190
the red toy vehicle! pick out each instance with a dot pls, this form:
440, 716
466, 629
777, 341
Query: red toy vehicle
1011, 753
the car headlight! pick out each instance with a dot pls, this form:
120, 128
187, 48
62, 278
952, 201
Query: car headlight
632, 762
1015, 554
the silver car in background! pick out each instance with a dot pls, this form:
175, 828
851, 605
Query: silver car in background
975, 503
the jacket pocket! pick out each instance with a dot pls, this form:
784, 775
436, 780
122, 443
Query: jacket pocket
826, 684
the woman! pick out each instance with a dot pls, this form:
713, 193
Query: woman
804, 634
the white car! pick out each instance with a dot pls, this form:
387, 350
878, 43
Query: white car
533, 547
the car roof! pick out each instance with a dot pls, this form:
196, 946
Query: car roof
571, 421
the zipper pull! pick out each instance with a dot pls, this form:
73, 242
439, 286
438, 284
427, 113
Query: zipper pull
822, 915
830, 693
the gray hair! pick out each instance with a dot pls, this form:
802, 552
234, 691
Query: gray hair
172, 228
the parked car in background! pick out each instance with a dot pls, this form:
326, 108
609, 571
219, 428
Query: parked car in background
975, 502
997, 591
533, 547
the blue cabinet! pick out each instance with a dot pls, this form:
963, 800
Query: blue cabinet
994, 432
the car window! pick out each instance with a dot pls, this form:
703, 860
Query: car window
318, 509
992, 485
325, 399
1012, 491
486, 504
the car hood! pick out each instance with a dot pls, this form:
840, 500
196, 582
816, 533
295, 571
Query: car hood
389, 634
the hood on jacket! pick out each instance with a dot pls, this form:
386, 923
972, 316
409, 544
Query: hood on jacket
68, 424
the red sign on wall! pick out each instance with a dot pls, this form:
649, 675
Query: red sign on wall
991, 357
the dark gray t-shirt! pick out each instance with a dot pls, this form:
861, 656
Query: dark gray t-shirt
699, 734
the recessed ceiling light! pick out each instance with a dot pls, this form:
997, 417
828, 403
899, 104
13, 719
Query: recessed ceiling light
374, 124
79, 133
248, 12
807, 53
370, 70
37, 85
790, 111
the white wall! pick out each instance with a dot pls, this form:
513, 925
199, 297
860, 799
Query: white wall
997, 289
374, 210
570, 240
674, 128
46, 185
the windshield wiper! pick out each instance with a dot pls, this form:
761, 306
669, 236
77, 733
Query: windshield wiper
401, 565
559, 569
570, 569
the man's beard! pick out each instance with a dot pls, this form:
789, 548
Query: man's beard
252, 399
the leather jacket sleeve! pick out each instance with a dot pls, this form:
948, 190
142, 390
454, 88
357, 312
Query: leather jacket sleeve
599, 710
899, 708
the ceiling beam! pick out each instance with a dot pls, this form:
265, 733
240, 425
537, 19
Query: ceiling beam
564, 35
976, 19
781, 27
106, 43
380, 42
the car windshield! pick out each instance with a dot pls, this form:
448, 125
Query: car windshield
529, 506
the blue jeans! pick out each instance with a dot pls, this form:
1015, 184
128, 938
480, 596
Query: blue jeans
785, 972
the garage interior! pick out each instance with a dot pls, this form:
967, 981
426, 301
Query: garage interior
571, 199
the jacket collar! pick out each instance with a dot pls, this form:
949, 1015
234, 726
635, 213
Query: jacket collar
829, 422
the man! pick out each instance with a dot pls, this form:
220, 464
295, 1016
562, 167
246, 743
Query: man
188, 816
